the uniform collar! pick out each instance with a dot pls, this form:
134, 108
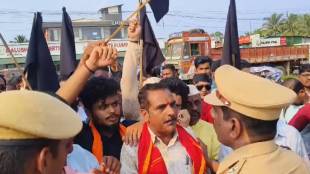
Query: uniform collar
241, 154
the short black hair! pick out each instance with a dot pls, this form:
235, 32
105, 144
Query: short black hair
143, 93
178, 87
155, 72
293, 84
4, 80
201, 78
255, 127
202, 60
304, 68
98, 88
15, 158
15, 80
169, 66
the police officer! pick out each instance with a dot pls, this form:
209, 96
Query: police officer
246, 109
36, 133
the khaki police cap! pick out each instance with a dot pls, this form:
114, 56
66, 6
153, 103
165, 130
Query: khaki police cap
248, 94
33, 115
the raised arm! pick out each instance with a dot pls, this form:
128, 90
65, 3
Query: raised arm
129, 81
95, 56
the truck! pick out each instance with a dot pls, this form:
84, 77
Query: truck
183, 47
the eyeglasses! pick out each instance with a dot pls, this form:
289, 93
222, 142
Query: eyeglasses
200, 87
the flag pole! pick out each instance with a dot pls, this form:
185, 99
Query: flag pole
122, 25
141, 53
233, 59
19, 69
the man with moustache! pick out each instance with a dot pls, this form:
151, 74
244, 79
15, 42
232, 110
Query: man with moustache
102, 134
164, 147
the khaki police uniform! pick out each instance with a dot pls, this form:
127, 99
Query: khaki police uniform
26, 115
261, 99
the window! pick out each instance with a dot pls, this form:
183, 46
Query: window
195, 49
177, 50
76, 32
54, 34
186, 51
91, 33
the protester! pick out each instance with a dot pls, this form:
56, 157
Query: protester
202, 129
247, 123
302, 118
288, 113
102, 135
168, 71
173, 150
129, 82
2, 83
203, 65
304, 77
14, 83
203, 84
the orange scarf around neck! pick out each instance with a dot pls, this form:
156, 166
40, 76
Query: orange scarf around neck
150, 160
97, 148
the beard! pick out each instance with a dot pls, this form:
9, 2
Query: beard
111, 128
106, 128
195, 116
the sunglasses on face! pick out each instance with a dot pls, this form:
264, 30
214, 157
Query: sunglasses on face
200, 87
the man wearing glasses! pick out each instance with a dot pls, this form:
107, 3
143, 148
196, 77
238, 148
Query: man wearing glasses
304, 77
203, 84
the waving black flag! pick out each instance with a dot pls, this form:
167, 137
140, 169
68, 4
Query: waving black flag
40, 69
160, 8
231, 50
67, 47
151, 55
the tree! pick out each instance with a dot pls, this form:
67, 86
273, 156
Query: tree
305, 25
292, 26
273, 24
20, 39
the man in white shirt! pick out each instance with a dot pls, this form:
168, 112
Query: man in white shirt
163, 147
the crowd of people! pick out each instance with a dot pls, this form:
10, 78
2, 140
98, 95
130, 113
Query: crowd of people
102, 120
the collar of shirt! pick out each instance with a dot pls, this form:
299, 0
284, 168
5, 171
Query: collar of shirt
156, 140
248, 151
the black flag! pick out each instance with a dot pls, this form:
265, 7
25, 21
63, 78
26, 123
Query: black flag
151, 55
40, 69
160, 8
67, 47
231, 50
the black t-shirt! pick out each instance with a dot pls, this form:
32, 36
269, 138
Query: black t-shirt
111, 145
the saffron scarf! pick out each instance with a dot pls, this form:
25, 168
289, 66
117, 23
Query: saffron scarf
97, 148
150, 160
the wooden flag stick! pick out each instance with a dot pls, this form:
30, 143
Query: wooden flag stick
122, 25
19, 69
141, 54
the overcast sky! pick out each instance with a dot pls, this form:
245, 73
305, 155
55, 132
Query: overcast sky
16, 15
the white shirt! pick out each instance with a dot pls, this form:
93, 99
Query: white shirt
81, 112
288, 113
81, 160
287, 137
174, 154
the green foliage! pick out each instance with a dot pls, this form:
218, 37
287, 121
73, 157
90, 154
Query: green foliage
20, 39
291, 25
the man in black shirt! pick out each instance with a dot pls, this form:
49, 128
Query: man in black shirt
102, 134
